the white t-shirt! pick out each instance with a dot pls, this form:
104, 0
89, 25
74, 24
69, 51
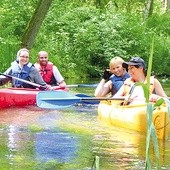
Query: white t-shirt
59, 78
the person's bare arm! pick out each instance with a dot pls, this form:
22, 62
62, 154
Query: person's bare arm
158, 90
103, 88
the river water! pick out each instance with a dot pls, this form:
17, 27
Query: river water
71, 139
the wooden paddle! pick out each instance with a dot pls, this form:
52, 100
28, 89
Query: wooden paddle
63, 99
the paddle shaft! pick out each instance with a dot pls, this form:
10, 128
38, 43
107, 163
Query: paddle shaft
83, 99
100, 99
25, 81
63, 99
39, 86
82, 85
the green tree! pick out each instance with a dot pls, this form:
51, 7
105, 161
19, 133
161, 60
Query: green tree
82, 36
35, 23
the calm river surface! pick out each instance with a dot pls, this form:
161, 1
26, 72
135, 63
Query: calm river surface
38, 139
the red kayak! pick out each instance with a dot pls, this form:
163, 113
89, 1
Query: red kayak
19, 96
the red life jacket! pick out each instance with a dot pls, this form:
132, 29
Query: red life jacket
46, 72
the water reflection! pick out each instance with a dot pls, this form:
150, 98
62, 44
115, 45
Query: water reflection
47, 145
117, 148
55, 146
72, 138
11, 138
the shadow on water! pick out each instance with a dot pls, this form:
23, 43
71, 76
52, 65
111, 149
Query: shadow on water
34, 138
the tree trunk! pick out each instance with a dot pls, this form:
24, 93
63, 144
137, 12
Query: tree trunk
148, 9
35, 23
167, 6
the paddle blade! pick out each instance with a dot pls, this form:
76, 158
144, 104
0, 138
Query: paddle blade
56, 99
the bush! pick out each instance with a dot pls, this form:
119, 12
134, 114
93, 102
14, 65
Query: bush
81, 39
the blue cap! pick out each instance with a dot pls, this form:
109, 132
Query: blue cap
135, 61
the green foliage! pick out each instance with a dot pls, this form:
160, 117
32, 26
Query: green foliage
82, 38
8, 54
14, 18
151, 132
160, 26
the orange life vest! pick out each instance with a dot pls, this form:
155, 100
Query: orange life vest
130, 82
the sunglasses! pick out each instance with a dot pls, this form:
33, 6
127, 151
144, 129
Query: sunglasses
24, 56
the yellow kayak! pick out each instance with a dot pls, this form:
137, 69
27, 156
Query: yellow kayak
134, 117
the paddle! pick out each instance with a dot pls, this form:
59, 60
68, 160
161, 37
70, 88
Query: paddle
63, 99
83, 85
25, 81
87, 101
43, 88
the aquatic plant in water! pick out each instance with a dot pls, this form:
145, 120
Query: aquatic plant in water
151, 132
